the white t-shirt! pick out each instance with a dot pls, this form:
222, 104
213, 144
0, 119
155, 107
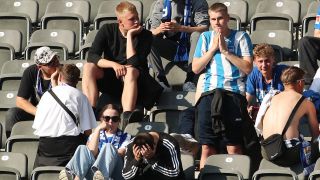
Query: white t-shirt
51, 120
315, 86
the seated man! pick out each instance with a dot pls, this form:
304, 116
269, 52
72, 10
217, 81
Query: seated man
309, 50
102, 157
264, 76
273, 118
122, 72
36, 80
154, 156
177, 25
64, 125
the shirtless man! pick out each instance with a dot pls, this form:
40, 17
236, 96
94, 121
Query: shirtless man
275, 117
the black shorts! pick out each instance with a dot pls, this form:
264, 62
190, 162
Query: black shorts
233, 120
149, 89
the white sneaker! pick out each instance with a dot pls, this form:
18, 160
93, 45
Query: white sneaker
187, 143
189, 86
165, 88
98, 175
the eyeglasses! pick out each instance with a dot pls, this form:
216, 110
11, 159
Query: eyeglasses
113, 118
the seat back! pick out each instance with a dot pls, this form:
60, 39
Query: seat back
22, 128
221, 163
106, 12
236, 7
27, 7
27, 144
309, 19
282, 38
11, 37
9, 173
176, 98
289, 7
17, 161
283, 174
137, 127
59, 40
46, 173
296, 169
315, 175
87, 44
68, 15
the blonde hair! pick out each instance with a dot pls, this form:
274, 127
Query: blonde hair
292, 75
125, 6
218, 7
263, 50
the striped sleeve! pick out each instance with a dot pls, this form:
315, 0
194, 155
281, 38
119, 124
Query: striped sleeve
168, 165
130, 167
317, 23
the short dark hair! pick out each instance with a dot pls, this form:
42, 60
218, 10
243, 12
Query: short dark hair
218, 7
144, 138
70, 73
292, 75
109, 106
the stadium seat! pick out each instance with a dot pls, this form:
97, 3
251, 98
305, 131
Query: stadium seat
59, 40
106, 13
282, 174
17, 161
10, 42
281, 38
19, 22
25, 7
78, 63
224, 166
27, 144
309, 19
7, 99
252, 6
7, 173
136, 127
70, 15
169, 106
42, 6
275, 15
296, 169
46, 173
315, 175
188, 166
87, 44
22, 128
237, 8
304, 4
11, 74
94, 7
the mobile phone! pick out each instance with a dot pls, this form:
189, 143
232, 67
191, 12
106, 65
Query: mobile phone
165, 20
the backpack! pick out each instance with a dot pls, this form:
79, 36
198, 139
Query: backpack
274, 146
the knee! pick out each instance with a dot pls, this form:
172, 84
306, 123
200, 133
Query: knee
90, 70
207, 150
132, 74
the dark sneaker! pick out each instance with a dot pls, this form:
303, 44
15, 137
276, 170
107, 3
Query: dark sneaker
187, 143
65, 175
98, 175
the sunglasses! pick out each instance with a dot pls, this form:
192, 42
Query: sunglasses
113, 118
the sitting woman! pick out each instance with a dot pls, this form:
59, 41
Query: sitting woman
104, 152
275, 118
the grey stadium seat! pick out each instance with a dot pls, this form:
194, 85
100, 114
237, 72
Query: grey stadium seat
17, 161
7, 173
225, 166
59, 40
309, 19
10, 40
137, 127
87, 44
46, 173
275, 15
70, 15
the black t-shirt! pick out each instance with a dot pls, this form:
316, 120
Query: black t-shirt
110, 42
27, 89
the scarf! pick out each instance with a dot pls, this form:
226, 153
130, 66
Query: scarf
182, 53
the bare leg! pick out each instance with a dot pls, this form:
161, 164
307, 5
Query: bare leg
91, 73
130, 89
236, 149
207, 151
76, 178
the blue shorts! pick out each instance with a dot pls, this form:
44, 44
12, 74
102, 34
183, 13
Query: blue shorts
232, 116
